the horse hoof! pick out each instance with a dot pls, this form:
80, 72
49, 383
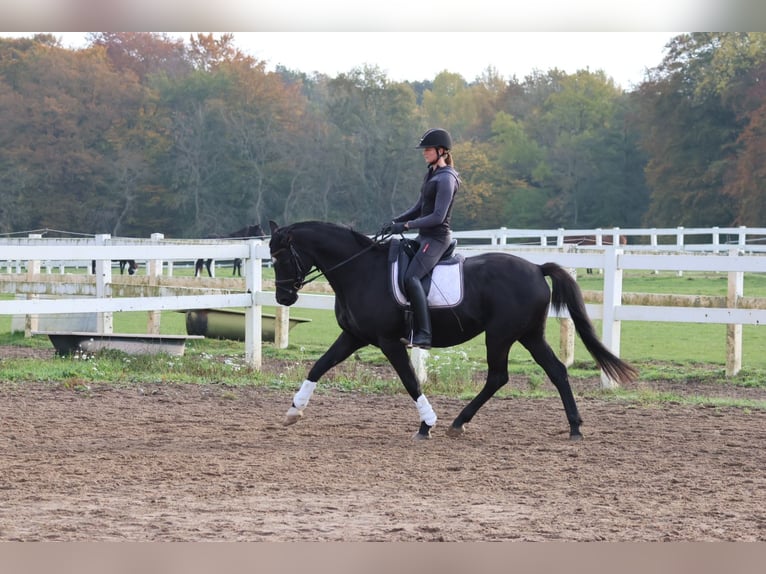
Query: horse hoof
575, 437
456, 431
293, 416
424, 432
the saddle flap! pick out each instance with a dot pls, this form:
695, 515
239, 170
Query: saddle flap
443, 285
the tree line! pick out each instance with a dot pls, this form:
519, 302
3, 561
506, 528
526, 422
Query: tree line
141, 132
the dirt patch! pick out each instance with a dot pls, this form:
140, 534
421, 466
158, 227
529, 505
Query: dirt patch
201, 463
18, 352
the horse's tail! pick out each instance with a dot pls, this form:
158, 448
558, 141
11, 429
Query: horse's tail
566, 293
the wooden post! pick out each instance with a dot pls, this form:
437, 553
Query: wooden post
281, 327
253, 318
153, 270
680, 245
32, 322
418, 358
612, 298
567, 334
734, 332
104, 319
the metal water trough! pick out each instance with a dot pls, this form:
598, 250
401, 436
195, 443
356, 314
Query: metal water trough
69, 342
229, 324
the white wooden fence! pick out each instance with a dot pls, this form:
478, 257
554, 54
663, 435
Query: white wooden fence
744, 256
673, 239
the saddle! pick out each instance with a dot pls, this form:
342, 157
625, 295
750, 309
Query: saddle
443, 286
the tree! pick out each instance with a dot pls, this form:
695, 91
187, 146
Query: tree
378, 125
143, 53
63, 111
575, 117
688, 130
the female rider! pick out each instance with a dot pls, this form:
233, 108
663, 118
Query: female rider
431, 217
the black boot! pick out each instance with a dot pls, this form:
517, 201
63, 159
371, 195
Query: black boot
420, 314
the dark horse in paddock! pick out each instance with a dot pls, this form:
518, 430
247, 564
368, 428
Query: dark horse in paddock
505, 297
591, 240
129, 264
249, 232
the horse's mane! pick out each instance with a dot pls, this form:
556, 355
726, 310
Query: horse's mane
361, 239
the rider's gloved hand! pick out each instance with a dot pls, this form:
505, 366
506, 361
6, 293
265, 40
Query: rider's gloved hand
397, 228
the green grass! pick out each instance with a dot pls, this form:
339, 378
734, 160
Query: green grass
661, 351
690, 283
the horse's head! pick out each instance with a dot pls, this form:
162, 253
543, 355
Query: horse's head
289, 269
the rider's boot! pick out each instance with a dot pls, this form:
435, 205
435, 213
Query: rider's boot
421, 317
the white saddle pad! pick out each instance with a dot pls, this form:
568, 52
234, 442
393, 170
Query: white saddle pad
446, 285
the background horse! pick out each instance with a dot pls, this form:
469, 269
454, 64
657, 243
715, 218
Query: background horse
591, 240
504, 296
249, 232
129, 264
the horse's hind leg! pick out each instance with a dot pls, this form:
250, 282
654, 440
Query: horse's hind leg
544, 356
338, 352
497, 376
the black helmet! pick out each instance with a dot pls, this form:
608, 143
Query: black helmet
436, 137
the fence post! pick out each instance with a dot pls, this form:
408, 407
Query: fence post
32, 322
734, 332
680, 245
567, 333
104, 319
419, 360
253, 319
559, 238
154, 270
281, 327
612, 299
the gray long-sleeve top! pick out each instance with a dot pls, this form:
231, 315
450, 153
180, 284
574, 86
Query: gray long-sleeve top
432, 213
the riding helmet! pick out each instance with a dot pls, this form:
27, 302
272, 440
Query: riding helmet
436, 137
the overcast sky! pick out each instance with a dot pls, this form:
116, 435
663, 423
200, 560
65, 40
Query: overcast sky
414, 56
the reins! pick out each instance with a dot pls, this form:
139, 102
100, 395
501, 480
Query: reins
307, 276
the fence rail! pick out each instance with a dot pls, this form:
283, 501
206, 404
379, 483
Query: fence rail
735, 259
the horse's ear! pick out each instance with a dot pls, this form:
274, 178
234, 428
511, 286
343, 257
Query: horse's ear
273, 226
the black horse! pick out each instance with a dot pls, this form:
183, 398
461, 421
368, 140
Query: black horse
129, 264
504, 296
249, 232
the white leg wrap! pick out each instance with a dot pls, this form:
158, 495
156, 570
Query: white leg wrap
301, 398
426, 412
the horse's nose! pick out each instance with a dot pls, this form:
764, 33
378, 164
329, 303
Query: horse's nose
287, 299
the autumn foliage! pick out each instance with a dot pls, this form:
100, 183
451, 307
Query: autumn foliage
143, 132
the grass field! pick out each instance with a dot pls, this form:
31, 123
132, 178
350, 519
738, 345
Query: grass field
662, 350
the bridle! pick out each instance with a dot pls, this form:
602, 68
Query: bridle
301, 272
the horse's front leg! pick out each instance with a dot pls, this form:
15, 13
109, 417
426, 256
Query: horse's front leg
338, 352
397, 355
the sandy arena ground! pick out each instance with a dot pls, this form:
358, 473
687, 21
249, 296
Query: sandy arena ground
211, 463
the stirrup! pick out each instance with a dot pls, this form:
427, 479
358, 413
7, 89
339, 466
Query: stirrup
410, 343
424, 345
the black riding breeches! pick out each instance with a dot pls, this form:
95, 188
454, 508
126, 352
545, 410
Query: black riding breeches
428, 255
